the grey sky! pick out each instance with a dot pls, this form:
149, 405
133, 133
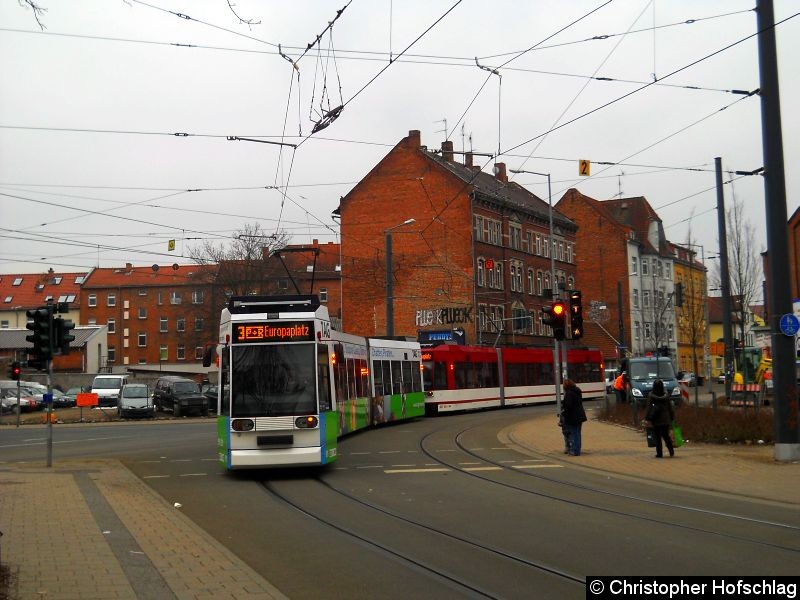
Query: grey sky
239, 86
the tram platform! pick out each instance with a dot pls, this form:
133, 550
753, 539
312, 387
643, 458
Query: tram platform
90, 529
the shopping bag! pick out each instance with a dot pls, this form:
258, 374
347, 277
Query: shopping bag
677, 436
651, 437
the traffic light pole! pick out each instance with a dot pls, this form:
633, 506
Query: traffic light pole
19, 408
50, 413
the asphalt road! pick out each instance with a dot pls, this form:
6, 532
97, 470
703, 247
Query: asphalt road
436, 508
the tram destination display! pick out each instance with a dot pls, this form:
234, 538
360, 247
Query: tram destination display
284, 331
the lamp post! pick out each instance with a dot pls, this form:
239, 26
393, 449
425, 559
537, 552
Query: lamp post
389, 279
556, 353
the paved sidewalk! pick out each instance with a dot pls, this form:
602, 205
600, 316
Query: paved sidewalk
93, 530
735, 469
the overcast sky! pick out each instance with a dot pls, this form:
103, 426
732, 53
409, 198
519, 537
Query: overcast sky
91, 173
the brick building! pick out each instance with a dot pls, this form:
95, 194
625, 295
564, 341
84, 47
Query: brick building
475, 258
626, 274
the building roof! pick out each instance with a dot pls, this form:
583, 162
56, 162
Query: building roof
29, 290
637, 214
506, 192
14, 339
146, 276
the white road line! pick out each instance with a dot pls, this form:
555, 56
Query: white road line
155, 477
535, 460
538, 466
471, 463
141, 462
389, 452
396, 471
210, 459
192, 474
370, 467
404, 466
483, 469
447, 450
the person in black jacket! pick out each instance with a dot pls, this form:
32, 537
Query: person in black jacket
574, 415
661, 414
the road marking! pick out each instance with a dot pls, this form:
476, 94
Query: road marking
370, 467
538, 466
396, 471
149, 461
155, 477
181, 460
192, 474
471, 463
404, 466
447, 450
209, 459
389, 452
483, 469
358, 453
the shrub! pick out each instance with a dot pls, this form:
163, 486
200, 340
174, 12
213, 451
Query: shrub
705, 424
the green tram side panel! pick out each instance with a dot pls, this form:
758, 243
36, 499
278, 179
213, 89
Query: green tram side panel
223, 439
330, 422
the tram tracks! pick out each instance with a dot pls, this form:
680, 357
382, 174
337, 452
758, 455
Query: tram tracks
378, 540
635, 501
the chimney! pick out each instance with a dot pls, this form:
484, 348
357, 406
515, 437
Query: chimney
468, 159
414, 138
128, 266
500, 172
447, 150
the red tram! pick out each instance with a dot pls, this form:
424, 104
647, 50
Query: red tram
472, 377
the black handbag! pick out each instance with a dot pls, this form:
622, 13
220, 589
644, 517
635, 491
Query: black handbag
651, 437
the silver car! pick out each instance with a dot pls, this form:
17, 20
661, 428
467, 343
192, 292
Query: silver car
135, 401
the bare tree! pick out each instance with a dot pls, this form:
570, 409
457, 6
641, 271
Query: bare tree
38, 11
744, 265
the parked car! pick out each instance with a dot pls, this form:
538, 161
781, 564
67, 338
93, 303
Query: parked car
61, 400
27, 403
210, 392
688, 378
107, 388
180, 395
135, 401
72, 395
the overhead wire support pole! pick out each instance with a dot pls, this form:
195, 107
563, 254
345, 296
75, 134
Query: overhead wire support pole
236, 138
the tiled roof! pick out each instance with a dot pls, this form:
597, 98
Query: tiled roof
508, 192
14, 339
28, 290
146, 276
637, 214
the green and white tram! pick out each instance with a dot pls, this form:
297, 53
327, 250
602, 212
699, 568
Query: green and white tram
290, 385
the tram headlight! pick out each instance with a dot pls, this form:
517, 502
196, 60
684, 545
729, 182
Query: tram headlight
309, 422
243, 424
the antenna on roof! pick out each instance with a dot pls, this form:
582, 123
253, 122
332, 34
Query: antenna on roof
619, 183
445, 127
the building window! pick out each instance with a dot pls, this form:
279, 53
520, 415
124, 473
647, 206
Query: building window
112, 326
561, 251
668, 270
635, 298
3, 324
495, 232
143, 291
92, 301
160, 299
142, 339
637, 330
163, 352
142, 361
163, 325
323, 295
481, 273
570, 257
499, 275
92, 321
198, 324
8, 299
482, 317
548, 285
198, 352
646, 298
181, 353
180, 324
645, 266
539, 284
197, 297
175, 298
538, 244
142, 313
570, 283
660, 267
111, 300
546, 246
634, 265
528, 245
520, 319
17, 281
478, 229
647, 329
112, 354
514, 236
531, 288
671, 332
516, 276
490, 277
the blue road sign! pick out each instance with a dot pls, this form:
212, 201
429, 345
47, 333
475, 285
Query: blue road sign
47, 398
789, 324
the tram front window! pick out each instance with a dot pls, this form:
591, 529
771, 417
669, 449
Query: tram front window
273, 381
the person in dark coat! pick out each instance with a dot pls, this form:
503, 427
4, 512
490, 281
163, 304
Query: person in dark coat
661, 414
574, 415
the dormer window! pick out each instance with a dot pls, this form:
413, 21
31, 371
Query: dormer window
17, 281
8, 299
39, 287
80, 279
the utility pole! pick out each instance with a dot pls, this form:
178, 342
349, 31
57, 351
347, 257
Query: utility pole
787, 442
725, 283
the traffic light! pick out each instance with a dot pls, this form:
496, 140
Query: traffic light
576, 314
39, 322
555, 316
14, 371
62, 335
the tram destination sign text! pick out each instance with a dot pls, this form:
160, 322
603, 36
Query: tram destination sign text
285, 331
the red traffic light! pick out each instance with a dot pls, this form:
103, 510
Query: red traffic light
558, 308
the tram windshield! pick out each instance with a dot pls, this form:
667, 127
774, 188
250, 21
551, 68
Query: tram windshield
273, 381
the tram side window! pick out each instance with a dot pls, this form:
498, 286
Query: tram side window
397, 377
386, 366
464, 376
340, 374
515, 374
440, 376
362, 381
224, 367
487, 375
407, 377
323, 379
546, 374
416, 377
351, 379
377, 376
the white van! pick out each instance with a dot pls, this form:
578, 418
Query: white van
108, 388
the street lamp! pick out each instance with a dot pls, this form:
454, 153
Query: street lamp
389, 279
556, 357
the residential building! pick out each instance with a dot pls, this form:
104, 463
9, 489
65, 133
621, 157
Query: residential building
691, 292
626, 270
476, 259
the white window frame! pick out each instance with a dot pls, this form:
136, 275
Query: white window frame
112, 325
141, 339
91, 300
111, 300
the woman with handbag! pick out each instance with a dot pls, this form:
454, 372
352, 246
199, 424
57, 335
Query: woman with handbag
661, 414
